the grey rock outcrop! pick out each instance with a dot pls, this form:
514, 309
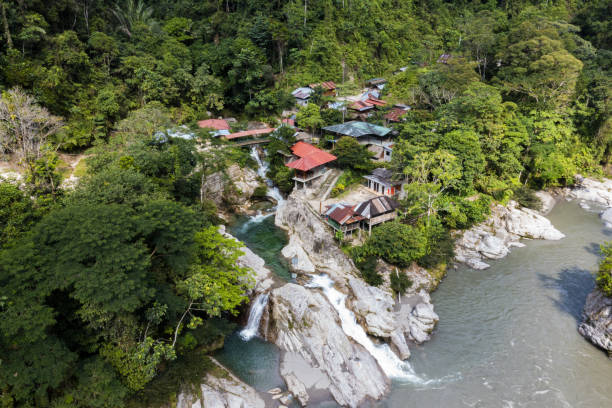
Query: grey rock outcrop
606, 217
233, 185
493, 238
587, 189
597, 320
548, 201
305, 324
311, 242
225, 391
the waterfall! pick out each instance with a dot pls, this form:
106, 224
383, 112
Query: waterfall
262, 170
391, 365
257, 308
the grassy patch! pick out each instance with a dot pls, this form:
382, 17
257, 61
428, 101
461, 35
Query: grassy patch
345, 182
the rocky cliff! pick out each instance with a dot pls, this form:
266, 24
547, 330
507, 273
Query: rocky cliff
597, 321
503, 230
221, 389
235, 185
303, 323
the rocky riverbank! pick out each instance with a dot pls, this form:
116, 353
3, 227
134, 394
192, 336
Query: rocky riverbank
596, 325
597, 321
221, 389
507, 225
319, 354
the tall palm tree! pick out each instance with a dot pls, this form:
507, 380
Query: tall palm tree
132, 13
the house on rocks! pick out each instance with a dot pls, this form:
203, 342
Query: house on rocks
376, 211
341, 217
309, 163
348, 218
381, 183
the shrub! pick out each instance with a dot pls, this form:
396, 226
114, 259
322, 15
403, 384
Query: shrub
527, 198
400, 282
368, 271
396, 243
604, 274
260, 191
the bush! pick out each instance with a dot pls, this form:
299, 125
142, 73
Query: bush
527, 198
260, 191
400, 282
604, 274
396, 243
440, 245
367, 267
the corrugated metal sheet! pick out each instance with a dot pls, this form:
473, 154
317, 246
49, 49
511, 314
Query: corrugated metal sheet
253, 132
217, 124
310, 157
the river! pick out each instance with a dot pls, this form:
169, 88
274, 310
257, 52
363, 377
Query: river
507, 335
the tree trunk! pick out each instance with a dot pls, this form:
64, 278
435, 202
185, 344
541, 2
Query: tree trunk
7, 31
305, 11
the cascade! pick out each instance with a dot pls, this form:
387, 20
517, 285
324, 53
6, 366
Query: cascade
388, 361
257, 308
262, 169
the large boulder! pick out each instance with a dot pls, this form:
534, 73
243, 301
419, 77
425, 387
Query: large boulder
311, 241
493, 238
223, 390
234, 185
548, 201
597, 320
374, 306
587, 189
304, 323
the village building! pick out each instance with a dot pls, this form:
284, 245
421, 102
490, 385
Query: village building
341, 217
309, 163
444, 58
376, 83
219, 127
380, 182
365, 133
329, 88
376, 211
302, 95
397, 113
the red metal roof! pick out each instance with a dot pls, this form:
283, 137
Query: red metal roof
395, 114
377, 102
250, 133
345, 215
217, 124
309, 157
289, 121
328, 86
361, 106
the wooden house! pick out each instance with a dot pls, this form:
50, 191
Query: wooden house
376, 211
310, 163
380, 182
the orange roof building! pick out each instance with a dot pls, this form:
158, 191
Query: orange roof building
310, 163
216, 124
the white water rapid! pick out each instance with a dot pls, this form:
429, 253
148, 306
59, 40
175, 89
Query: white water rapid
262, 169
257, 308
391, 365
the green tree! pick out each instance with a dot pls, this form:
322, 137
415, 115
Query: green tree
353, 155
604, 274
309, 117
396, 243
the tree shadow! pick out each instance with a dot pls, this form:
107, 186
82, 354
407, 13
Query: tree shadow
593, 248
572, 286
